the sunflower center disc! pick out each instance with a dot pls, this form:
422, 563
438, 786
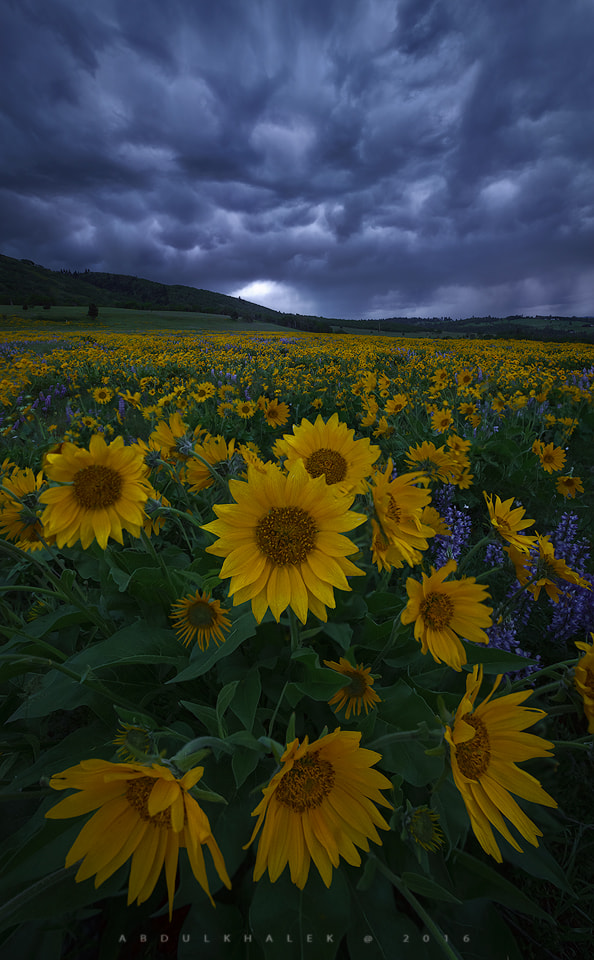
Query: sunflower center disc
306, 784
137, 795
327, 462
437, 610
358, 684
394, 512
473, 756
200, 614
286, 535
96, 487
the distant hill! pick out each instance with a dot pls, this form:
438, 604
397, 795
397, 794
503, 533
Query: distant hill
25, 283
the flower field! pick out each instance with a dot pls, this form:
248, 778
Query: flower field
297, 646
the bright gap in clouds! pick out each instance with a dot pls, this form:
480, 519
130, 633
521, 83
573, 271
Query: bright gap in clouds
277, 296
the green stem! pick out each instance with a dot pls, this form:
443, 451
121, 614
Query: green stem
574, 744
481, 543
276, 709
400, 735
294, 628
163, 566
448, 950
35, 640
397, 626
545, 672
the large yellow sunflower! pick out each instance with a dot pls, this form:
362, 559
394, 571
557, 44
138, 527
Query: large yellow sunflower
584, 679
282, 542
320, 807
508, 522
101, 492
399, 505
442, 612
198, 617
328, 450
144, 813
486, 742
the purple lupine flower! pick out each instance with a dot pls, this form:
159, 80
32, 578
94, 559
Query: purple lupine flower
121, 406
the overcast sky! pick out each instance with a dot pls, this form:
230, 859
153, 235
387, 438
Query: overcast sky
346, 158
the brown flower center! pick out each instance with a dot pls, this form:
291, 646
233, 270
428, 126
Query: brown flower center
437, 610
328, 462
286, 535
200, 614
306, 784
96, 487
358, 684
394, 512
137, 795
473, 756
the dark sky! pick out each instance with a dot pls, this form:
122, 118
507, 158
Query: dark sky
346, 158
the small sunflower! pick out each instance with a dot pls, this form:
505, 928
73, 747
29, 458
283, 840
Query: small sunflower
283, 542
552, 458
19, 509
197, 617
102, 395
569, 486
442, 420
509, 523
485, 743
142, 812
276, 414
215, 451
131, 740
101, 492
320, 806
422, 824
399, 504
328, 450
245, 408
443, 612
436, 462
203, 392
357, 692
584, 679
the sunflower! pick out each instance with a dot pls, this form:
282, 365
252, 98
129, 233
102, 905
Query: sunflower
102, 395
328, 450
19, 516
422, 824
550, 570
442, 612
282, 541
174, 439
441, 420
245, 408
101, 492
203, 391
320, 807
551, 458
143, 812
569, 486
276, 414
396, 404
435, 462
509, 522
197, 617
132, 741
584, 679
357, 692
216, 452
399, 504
485, 744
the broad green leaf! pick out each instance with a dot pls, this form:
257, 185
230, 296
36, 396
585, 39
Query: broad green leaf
473, 878
427, 887
246, 699
203, 661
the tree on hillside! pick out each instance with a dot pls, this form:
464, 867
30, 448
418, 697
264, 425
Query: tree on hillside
93, 311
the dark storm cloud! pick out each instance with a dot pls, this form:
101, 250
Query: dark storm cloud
350, 158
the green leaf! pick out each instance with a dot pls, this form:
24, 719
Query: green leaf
341, 633
246, 699
224, 698
427, 887
494, 660
475, 879
206, 715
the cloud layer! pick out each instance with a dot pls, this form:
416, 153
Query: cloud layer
356, 158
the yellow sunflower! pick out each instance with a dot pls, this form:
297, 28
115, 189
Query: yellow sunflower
357, 692
320, 807
552, 458
282, 542
485, 743
215, 451
508, 522
144, 813
569, 486
197, 617
328, 450
443, 612
245, 408
276, 414
19, 513
584, 680
550, 570
102, 491
399, 504
102, 395
432, 460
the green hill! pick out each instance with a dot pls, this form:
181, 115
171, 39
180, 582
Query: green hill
24, 283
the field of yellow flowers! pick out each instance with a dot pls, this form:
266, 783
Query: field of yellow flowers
297, 646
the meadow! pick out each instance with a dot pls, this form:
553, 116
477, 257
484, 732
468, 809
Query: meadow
297, 643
